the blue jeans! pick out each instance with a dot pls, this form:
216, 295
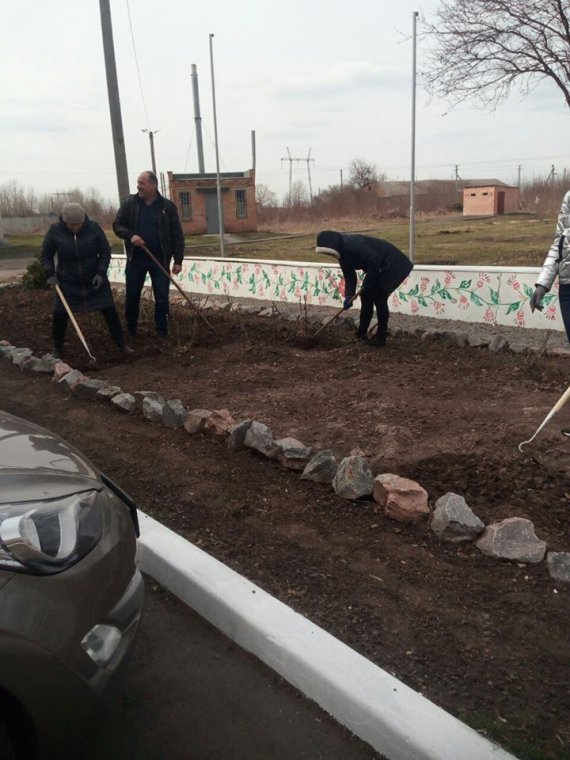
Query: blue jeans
135, 274
564, 300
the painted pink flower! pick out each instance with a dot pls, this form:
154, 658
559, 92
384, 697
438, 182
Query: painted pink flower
228, 267
301, 272
414, 307
424, 283
196, 279
283, 295
275, 271
210, 288
341, 287
513, 282
322, 299
484, 276
257, 269
439, 307
463, 302
519, 318
489, 316
550, 312
479, 284
449, 277
396, 301
235, 284
261, 290
215, 271
297, 292
320, 274
556, 285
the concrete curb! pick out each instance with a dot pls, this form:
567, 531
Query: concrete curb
395, 720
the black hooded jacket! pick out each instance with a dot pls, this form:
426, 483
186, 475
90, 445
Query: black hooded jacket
79, 258
369, 254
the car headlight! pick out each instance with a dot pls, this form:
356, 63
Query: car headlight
48, 536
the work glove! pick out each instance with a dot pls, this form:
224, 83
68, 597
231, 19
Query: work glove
97, 281
347, 303
51, 281
536, 298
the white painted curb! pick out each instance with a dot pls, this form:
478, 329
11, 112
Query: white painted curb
394, 719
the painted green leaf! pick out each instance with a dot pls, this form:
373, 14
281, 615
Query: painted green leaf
414, 291
402, 296
422, 301
549, 299
513, 307
476, 300
465, 284
446, 295
494, 296
528, 291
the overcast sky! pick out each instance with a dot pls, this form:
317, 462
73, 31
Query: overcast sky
330, 76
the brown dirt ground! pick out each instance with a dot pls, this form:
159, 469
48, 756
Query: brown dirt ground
488, 641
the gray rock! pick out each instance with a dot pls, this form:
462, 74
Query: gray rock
558, 564
354, 478
125, 402
29, 362
499, 344
174, 414
454, 521
260, 438
19, 355
429, 336
43, 366
322, 468
108, 392
141, 395
266, 313
89, 387
196, 420
512, 539
476, 341
6, 350
236, 435
152, 409
70, 378
50, 359
459, 339
292, 454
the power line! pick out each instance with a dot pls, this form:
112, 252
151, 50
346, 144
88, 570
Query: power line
137, 67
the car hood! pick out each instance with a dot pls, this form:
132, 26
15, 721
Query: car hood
36, 464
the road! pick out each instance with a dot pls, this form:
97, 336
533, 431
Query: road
189, 693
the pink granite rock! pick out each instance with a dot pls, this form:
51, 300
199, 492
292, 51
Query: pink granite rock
403, 500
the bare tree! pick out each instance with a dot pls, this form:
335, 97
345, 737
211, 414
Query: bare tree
298, 196
362, 173
482, 48
264, 197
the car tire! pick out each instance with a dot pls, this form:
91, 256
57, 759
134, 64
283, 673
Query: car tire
17, 738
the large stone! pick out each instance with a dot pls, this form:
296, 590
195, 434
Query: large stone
19, 355
558, 564
499, 344
236, 435
125, 402
512, 539
6, 350
218, 422
72, 378
174, 414
141, 395
354, 478
89, 387
43, 365
108, 392
60, 370
292, 454
322, 468
260, 438
477, 341
403, 500
196, 420
454, 521
152, 409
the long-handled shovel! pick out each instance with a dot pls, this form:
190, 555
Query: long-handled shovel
556, 408
173, 281
335, 316
74, 321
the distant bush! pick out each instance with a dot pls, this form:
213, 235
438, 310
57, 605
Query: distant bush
34, 277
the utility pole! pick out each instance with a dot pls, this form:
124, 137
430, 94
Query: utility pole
151, 135
412, 242
340, 178
290, 172
457, 178
519, 177
298, 159
162, 185
114, 101
218, 180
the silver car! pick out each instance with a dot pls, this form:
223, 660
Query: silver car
70, 595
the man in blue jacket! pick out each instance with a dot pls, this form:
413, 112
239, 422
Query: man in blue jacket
385, 268
146, 218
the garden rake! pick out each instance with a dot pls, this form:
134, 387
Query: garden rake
556, 408
74, 322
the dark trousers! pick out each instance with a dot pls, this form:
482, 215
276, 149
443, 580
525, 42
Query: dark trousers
135, 274
60, 320
564, 300
376, 289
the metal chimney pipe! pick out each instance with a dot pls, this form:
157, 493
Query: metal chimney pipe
253, 156
198, 120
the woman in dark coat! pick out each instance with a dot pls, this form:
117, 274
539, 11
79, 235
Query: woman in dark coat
83, 257
385, 268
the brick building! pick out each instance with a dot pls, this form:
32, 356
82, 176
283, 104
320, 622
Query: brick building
196, 198
489, 198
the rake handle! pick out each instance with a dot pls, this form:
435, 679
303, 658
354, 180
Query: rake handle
176, 285
335, 316
73, 320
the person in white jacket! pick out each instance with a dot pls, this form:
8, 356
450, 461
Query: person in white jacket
557, 263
